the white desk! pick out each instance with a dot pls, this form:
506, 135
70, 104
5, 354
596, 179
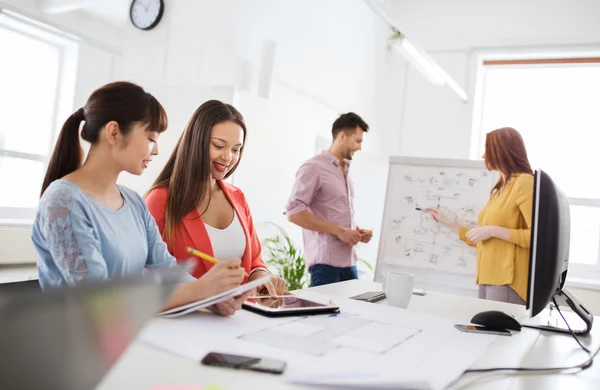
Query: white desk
143, 366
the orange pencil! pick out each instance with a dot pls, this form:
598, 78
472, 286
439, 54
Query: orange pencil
206, 257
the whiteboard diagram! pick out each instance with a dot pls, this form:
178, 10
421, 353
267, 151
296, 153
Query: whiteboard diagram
412, 238
320, 335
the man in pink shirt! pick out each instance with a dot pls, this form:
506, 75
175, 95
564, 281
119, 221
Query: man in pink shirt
322, 204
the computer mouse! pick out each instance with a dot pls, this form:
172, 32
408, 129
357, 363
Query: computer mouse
496, 320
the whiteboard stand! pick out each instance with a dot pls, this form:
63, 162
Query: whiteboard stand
411, 241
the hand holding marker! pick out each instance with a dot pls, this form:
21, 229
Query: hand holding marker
432, 212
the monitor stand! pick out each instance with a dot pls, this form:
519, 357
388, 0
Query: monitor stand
580, 320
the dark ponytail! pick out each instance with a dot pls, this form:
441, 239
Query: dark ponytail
122, 102
67, 153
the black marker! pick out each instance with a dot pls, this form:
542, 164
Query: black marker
419, 209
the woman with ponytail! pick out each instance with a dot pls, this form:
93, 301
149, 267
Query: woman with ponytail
88, 227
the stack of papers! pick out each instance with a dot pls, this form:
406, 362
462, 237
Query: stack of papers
194, 306
365, 346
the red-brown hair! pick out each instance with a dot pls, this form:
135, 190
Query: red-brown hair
505, 152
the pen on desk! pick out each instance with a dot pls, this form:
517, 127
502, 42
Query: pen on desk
420, 209
206, 257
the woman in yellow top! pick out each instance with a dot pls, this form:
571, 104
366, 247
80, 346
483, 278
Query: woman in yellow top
502, 235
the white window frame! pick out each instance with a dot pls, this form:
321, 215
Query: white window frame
580, 275
67, 47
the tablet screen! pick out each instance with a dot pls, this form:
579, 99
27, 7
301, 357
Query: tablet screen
284, 302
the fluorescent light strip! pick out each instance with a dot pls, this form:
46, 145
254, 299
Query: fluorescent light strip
416, 56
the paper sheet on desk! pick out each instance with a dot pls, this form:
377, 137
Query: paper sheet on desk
384, 344
189, 336
363, 382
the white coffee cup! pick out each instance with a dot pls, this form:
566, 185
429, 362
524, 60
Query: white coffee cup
398, 288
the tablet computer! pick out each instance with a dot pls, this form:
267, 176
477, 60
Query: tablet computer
287, 305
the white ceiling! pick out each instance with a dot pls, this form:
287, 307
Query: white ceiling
114, 12
110, 11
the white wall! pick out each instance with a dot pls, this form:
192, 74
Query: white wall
436, 123
339, 63
324, 65
16, 245
331, 58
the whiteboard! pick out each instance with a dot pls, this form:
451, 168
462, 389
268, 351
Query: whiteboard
411, 241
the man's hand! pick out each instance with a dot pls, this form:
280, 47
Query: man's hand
349, 236
365, 235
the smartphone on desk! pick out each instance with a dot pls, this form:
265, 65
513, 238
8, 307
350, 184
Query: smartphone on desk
370, 296
272, 366
482, 330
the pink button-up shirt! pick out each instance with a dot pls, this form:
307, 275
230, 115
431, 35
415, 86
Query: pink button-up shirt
322, 189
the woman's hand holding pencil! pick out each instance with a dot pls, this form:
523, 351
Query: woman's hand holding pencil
225, 275
208, 258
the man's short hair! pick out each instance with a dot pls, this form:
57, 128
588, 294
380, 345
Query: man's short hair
348, 123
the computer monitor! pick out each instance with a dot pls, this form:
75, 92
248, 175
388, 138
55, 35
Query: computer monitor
549, 257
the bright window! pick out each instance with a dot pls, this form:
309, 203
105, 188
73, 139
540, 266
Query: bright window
553, 103
32, 96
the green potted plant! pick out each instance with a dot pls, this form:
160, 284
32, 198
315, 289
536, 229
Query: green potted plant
285, 260
365, 269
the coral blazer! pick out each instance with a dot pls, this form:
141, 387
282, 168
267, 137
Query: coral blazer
194, 232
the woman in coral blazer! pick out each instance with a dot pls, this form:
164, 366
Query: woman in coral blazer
195, 234
194, 207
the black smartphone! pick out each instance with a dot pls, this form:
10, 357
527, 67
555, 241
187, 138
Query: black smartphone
370, 296
272, 366
483, 330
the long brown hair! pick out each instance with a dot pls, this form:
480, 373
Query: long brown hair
505, 152
122, 102
187, 172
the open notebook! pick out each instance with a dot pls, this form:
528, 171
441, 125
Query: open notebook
194, 306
